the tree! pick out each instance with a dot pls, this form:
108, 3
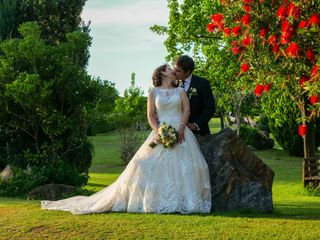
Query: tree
46, 95
131, 109
278, 42
100, 120
187, 32
55, 18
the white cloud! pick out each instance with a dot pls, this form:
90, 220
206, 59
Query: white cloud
135, 13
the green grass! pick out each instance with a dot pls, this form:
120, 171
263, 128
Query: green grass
296, 215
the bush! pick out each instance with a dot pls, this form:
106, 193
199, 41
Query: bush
255, 138
22, 182
263, 124
282, 115
130, 141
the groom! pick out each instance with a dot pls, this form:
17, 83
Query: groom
202, 103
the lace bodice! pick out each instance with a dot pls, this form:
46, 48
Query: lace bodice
168, 104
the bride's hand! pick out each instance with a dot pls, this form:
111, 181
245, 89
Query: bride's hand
181, 133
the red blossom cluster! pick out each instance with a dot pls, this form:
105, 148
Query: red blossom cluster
282, 43
289, 14
260, 88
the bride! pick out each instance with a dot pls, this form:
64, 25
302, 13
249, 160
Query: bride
158, 179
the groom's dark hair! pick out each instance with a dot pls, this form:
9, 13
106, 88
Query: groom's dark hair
185, 62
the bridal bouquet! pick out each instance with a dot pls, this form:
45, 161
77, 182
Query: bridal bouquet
167, 135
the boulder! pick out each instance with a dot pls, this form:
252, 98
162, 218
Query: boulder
51, 191
6, 174
239, 179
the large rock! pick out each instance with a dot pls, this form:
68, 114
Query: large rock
239, 179
51, 191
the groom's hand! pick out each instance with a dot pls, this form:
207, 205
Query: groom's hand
192, 126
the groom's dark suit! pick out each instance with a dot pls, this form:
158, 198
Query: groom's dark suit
202, 104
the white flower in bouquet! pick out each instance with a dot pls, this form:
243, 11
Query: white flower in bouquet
167, 135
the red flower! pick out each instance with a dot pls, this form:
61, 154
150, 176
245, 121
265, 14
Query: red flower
246, 41
236, 50
245, 67
227, 31
285, 40
246, 8
282, 12
247, 1
276, 49
293, 50
314, 99
303, 24
285, 26
263, 32
314, 19
302, 130
234, 43
293, 11
314, 70
304, 79
267, 87
259, 90
245, 20
287, 30
216, 18
273, 39
236, 31
310, 55
211, 27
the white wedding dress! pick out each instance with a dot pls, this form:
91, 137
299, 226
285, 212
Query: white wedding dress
156, 180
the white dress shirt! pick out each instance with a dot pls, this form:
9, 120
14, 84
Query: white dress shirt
187, 83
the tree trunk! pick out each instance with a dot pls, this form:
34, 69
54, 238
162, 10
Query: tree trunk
310, 140
221, 120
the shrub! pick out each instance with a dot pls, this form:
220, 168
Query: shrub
254, 137
130, 141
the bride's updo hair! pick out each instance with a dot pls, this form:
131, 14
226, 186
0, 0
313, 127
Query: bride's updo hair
157, 76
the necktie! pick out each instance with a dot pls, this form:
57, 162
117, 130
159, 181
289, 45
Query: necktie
182, 84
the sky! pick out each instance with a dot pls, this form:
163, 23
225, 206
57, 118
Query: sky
123, 42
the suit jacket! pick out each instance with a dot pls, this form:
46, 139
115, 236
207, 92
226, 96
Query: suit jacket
202, 104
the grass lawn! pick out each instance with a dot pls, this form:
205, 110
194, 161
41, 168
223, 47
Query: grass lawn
296, 215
